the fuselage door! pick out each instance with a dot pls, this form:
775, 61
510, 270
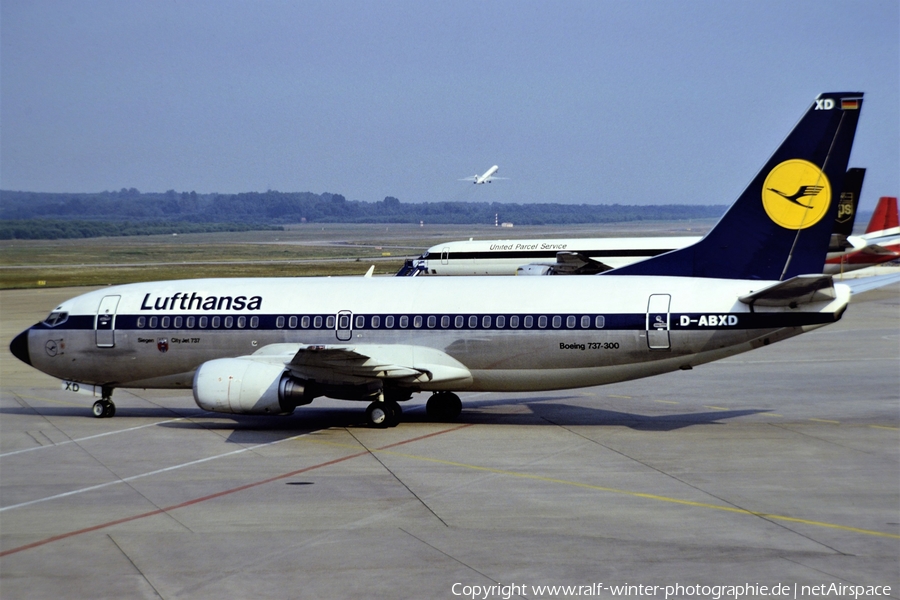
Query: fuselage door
105, 323
658, 321
445, 256
344, 325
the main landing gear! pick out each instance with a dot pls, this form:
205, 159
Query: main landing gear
104, 408
441, 406
384, 413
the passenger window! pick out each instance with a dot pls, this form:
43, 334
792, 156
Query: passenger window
140, 322
190, 322
486, 321
514, 322
360, 321
501, 321
585, 322
254, 322
229, 321
292, 321
165, 323
404, 322
599, 321
242, 322
203, 322
417, 321
177, 323
542, 321
344, 321
304, 322
389, 321
376, 322
460, 321
153, 322
329, 322
445, 321
317, 322
216, 321
279, 322
570, 321
529, 321
432, 321
473, 322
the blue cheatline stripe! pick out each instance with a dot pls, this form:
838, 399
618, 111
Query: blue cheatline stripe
470, 321
538, 254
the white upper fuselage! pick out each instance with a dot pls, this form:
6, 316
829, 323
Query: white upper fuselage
503, 257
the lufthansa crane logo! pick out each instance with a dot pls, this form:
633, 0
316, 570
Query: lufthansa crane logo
796, 194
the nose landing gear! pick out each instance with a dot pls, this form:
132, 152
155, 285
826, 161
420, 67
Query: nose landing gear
104, 408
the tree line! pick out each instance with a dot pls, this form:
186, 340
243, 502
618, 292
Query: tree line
130, 212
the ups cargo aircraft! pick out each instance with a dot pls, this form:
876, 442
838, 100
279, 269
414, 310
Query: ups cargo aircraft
879, 244
589, 256
267, 345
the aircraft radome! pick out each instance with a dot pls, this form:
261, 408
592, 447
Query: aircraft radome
270, 345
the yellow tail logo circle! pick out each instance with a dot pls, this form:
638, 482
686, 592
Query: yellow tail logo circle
796, 194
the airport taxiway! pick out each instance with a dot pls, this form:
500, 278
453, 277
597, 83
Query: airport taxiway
781, 465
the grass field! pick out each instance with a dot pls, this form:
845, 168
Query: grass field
299, 251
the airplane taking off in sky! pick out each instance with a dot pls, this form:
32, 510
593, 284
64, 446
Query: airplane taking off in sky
486, 178
270, 345
589, 256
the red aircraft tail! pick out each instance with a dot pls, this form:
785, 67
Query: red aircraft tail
885, 215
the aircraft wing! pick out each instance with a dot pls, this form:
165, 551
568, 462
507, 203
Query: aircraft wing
567, 263
578, 263
338, 364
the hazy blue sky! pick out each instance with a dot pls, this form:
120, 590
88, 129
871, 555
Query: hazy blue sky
634, 102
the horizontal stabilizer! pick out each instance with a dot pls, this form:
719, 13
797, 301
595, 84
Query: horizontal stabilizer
865, 284
803, 289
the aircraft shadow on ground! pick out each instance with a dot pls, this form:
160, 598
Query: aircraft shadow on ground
530, 411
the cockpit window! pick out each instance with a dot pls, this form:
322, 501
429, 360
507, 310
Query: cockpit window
56, 318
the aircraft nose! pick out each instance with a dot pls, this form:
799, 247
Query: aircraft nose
19, 347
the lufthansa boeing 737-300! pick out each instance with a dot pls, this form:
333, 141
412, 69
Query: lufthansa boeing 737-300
270, 345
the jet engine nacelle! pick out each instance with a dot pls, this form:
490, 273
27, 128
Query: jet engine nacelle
242, 386
534, 270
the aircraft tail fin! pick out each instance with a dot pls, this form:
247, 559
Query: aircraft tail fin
847, 203
885, 215
781, 225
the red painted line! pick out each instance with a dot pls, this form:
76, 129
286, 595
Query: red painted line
241, 488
